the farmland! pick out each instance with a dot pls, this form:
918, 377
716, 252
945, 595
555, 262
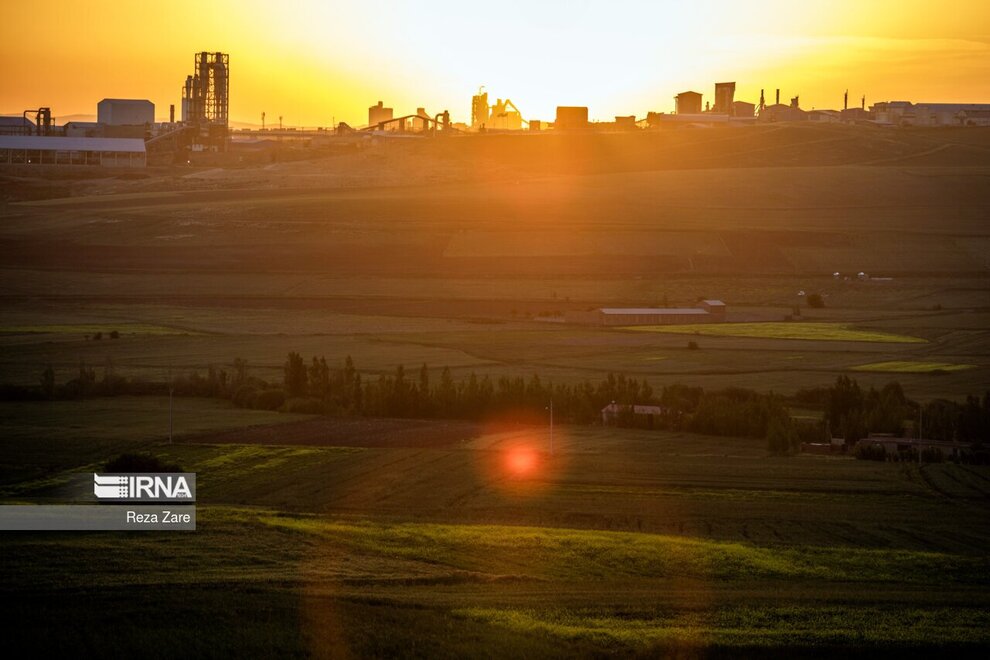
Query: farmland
466, 271
907, 367
808, 331
631, 541
432, 538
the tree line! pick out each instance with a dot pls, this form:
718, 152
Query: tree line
314, 386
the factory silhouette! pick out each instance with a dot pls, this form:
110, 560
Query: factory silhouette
125, 133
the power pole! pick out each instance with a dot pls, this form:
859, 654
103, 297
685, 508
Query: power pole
170, 390
550, 408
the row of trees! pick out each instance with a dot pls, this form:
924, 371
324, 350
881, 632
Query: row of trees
852, 412
314, 386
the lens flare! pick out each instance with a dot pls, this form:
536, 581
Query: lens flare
521, 462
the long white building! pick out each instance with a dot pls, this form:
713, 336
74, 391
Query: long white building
45, 150
905, 113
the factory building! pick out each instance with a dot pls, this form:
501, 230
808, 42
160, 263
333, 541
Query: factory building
571, 118
627, 123
905, 113
125, 112
781, 112
707, 311
743, 109
45, 150
974, 117
687, 103
825, 116
378, 114
724, 95
16, 126
480, 111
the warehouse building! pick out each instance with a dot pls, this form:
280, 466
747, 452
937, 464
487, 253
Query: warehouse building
905, 113
571, 118
687, 103
125, 112
44, 150
707, 311
16, 126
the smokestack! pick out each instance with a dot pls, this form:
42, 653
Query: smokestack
845, 100
778, 96
171, 114
863, 106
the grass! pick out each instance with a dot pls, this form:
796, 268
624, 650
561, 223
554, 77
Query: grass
381, 551
797, 330
767, 626
910, 367
549, 553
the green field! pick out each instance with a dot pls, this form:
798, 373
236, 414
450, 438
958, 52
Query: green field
908, 367
349, 538
630, 542
805, 331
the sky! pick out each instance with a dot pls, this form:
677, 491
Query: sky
314, 62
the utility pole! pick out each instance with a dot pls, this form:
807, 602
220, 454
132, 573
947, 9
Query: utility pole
170, 390
550, 408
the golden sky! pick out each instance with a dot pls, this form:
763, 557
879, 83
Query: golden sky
315, 61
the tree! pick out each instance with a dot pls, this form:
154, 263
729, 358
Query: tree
48, 382
295, 375
781, 437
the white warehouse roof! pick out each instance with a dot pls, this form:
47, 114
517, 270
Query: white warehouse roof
45, 143
653, 310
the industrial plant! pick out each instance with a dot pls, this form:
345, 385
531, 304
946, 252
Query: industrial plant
126, 133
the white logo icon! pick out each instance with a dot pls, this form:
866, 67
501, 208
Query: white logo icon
110, 487
141, 487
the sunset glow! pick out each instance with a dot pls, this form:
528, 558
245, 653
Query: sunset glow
315, 63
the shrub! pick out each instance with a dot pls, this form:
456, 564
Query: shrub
304, 406
268, 399
693, 346
244, 395
816, 301
874, 452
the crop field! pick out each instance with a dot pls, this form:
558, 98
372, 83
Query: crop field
466, 272
906, 367
622, 541
807, 331
341, 537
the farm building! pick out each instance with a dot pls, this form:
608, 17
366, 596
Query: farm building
626, 413
707, 311
44, 150
895, 446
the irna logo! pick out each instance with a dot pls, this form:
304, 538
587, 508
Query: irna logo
143, 487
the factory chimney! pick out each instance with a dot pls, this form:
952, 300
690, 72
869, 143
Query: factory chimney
778, 96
